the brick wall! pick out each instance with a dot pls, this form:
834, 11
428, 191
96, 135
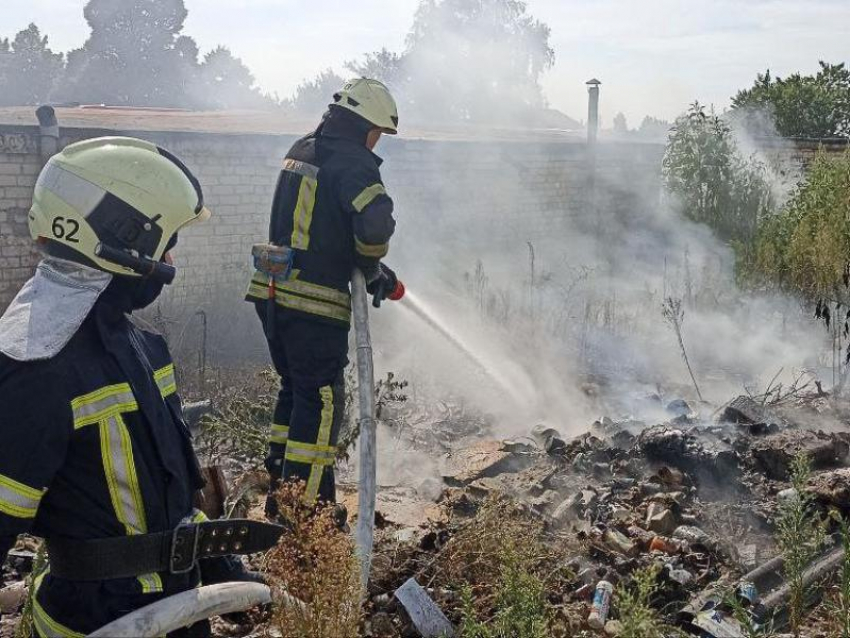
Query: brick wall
19, 166
450, 196
789, 158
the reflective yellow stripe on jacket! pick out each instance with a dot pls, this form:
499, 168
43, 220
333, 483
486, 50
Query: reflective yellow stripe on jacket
105, 408
367, 196
304, 296
377, 251
166, 380
302, 217
19, 500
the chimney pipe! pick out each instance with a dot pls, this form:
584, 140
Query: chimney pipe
592, 110
49, 132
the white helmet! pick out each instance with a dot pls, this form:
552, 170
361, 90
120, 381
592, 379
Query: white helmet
371, 100
114, 203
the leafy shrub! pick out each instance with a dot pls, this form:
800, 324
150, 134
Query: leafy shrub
712, 181
800, 534
806, 247
636, 613
240, 426
520, 605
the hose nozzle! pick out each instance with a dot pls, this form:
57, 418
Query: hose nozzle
398, 293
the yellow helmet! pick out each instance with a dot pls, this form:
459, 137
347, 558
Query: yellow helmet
114, 203
371, 100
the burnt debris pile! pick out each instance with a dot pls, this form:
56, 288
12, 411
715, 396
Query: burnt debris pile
694, 503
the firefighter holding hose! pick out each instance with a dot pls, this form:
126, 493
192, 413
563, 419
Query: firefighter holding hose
331, 213
95, 456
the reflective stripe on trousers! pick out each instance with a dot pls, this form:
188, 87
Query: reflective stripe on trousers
320, 454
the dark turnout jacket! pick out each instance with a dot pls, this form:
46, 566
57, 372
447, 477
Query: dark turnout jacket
93, 445
332, 209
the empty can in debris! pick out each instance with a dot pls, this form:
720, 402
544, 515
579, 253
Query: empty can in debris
748, 593
601, 604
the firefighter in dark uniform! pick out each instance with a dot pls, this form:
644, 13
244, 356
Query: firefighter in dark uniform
95, 456
331, 213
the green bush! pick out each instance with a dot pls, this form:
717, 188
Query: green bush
801, 536
712, 181
520, 604
637, 615
806, 247
838, 605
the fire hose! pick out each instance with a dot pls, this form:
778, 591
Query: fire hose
365, 533
186, 609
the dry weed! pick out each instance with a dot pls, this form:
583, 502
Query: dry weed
316, 564
474, 556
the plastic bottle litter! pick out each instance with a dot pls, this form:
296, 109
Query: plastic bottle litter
748, 593
601, 604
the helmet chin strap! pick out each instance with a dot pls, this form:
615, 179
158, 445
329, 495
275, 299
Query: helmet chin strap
143, 266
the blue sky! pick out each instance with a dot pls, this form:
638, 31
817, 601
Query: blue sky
653, 56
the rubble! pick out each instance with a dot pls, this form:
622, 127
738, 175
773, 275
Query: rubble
428, 619
744, 410
693, 496
485, 460
661, 520
701, 452
832, 488
773, 454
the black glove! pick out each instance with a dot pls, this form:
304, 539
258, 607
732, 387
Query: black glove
382, 285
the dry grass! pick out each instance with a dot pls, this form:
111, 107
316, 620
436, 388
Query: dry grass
501, 532
239, 427
315, 563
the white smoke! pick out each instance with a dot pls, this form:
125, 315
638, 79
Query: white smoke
589, 336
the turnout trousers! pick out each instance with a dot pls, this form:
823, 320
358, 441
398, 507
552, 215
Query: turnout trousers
310, 356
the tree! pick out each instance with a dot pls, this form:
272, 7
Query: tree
621, 125
227, 82
799, 105
712, 181
312, 97
468, 60
28, 68
653, 127
382, 65
134, 55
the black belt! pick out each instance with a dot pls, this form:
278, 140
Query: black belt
176, 552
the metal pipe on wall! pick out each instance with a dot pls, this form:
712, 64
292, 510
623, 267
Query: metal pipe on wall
48, 130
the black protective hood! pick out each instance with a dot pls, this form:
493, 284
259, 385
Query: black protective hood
344, 124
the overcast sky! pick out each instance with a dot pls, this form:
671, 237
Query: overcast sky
653, 57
